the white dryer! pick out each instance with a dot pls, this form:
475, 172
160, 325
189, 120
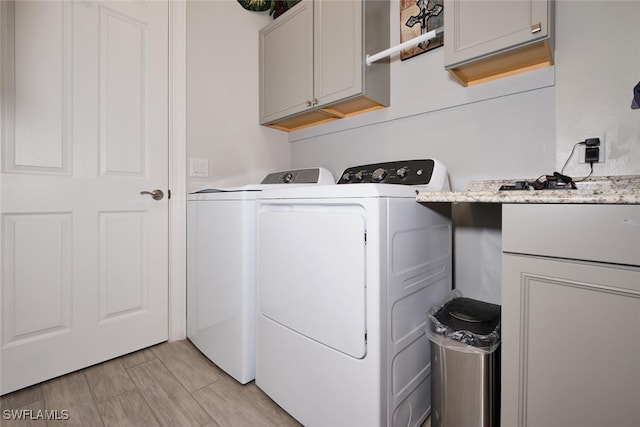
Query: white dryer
345, 275
221, 269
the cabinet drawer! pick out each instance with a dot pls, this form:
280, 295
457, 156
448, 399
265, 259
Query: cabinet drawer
605, 233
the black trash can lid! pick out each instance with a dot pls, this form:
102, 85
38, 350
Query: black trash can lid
466, 314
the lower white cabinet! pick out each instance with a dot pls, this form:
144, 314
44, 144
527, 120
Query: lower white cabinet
571, 316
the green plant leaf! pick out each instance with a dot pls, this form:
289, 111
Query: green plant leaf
255, 5
278, 7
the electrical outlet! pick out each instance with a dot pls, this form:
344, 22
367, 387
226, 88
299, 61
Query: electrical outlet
199, 168
592, 154
602, 148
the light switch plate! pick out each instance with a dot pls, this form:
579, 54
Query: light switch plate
199, 168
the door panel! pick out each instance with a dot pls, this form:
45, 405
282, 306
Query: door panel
569, 342
286, 63
122, 102
84, 254
37, 103
338, 50
123, 281
481, 28
311, 273
42, 240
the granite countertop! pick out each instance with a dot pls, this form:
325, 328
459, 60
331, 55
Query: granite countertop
596, 190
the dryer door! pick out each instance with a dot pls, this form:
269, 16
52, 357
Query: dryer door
311, 272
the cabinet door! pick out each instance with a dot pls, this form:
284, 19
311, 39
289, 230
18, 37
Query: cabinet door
286, 63
570, 347
338, 50
476, 29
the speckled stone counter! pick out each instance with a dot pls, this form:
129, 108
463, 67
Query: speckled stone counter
597, 190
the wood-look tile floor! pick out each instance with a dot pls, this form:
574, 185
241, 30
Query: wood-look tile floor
170, 384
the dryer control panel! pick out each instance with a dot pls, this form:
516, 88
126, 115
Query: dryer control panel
408, 172
300, 176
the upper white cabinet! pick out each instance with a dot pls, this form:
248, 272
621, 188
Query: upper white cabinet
485, 40
312, 67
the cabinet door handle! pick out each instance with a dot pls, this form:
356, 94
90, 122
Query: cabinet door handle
309, 103
315, 101
536, 28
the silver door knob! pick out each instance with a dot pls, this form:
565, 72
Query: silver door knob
156, 194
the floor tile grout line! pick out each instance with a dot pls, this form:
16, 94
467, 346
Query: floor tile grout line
4, 399
141, 392
44, 398
203, 387
93, 395
146, 403
136, 389
209, 362
185, 389
44, 401
173, 356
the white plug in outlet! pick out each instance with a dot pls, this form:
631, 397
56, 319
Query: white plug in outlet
602, 147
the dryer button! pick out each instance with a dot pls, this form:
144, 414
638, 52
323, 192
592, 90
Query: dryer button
379, 174
287, 177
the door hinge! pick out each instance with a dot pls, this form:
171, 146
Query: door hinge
365, 237
168, 194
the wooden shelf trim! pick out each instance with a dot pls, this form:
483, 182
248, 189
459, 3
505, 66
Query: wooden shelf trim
515, 61
347, 108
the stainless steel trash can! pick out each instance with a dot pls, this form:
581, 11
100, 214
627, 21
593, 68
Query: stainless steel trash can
465, 363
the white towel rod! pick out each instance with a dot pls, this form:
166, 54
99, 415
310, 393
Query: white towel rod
370, 59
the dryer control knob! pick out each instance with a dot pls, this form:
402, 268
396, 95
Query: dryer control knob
287, 177
379, 174
359, 175
402, 172
346, 176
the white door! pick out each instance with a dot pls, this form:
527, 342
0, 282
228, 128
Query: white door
84, 131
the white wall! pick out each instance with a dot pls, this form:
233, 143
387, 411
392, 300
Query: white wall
505, 137
518, 127
598, 64
504, 128
222, 96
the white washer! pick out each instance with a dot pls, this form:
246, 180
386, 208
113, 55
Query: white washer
221, 269
345, 275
